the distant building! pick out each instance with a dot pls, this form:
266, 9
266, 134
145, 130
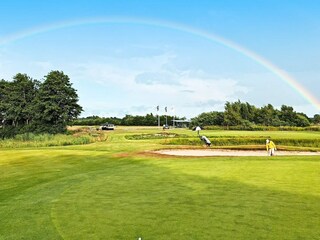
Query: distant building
181, 123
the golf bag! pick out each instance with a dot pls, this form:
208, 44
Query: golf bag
205, 140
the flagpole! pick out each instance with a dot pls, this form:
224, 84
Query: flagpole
166, 116
173, 116
158, 116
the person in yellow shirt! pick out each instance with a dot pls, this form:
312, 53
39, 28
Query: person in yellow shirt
271, 147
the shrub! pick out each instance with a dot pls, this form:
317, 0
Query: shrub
251, 127
48, 140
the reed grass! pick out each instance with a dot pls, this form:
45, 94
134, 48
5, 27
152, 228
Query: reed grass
28, 140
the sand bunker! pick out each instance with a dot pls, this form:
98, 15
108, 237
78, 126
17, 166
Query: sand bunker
225, 152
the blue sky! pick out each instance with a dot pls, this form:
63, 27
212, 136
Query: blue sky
137, 57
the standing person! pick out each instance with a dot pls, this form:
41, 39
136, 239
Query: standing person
271, 147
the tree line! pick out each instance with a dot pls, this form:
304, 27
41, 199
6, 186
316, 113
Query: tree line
50, 105
246, 115
30, 105
127, 120
236, 113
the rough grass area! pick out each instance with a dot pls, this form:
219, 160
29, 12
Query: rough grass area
159, 135
116, 190
78, 137
225, 139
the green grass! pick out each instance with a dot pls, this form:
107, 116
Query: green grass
309, 141
114, 190
49, 140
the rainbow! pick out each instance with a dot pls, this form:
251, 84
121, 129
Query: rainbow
283, 75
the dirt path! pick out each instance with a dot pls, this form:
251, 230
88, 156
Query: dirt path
225, 152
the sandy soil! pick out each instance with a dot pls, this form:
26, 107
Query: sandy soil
224, 152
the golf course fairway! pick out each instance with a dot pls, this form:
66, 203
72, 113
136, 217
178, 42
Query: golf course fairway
120, 189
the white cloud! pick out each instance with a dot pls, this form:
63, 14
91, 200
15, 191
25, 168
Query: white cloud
150, 81
135, 85
120, 71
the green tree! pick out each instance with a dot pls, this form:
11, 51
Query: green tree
24, 90
266, 115
302, 120
316, 119
252, 112
56, 103
208, 119
3, 101
232, 114
288, 115
150, 120
17, 100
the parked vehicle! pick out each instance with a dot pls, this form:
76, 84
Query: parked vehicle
107, 126
165, 127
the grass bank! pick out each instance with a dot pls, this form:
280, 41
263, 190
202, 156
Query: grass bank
80, 136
